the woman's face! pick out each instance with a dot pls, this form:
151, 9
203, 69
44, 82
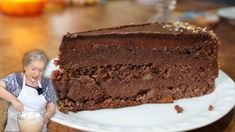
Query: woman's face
34, 71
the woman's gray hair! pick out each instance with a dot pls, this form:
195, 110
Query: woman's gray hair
34, 55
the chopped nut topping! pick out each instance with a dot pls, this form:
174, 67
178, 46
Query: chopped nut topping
74, 36
196, 31
179, 26
167, 26
204, 29
68, 34
213, 35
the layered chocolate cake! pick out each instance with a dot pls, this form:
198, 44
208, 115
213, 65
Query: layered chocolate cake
135, 64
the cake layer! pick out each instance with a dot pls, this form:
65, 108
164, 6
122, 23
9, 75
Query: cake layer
140, 76
158, 94
102, 51
129, 82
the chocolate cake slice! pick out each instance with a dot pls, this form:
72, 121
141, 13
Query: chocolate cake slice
135, 64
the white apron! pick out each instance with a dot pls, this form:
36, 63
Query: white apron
31, 101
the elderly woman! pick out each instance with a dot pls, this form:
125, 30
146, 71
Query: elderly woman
28, 90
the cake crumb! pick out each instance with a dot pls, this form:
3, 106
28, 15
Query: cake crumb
147, 77
210, 108
178, 109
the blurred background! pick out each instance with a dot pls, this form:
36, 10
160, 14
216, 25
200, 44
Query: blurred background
40, 24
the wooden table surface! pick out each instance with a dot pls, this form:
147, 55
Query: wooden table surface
19, 35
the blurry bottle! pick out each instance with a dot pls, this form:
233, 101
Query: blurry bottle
86, 2
164, 11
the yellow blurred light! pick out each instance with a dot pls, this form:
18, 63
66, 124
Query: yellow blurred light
22, 7
20, 0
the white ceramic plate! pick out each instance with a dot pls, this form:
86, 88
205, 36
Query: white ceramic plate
155, 117
228, 13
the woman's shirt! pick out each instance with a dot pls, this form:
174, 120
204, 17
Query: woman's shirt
13, 84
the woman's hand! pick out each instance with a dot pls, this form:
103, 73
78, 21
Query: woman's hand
50, 110
46, 118
17, 105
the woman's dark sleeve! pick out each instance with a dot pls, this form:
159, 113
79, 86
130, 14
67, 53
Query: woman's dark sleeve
50, 93
11, 83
